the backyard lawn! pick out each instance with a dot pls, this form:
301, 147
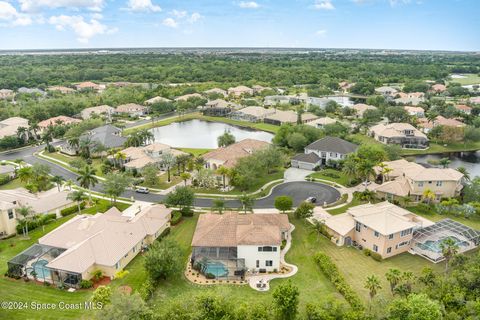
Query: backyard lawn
470, 78
96, 163
13, 184
195, 152
355, 202
473, 222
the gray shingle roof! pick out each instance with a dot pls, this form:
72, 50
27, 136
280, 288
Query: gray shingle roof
333, 144
108, 135
310, 157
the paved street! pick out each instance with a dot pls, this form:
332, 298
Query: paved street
298, 190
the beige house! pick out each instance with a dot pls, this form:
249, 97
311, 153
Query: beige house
51, 201
283, 117
415, 111
427, 125
360, 108
252, 114
156, 99
321, 122
99, 110
240, 90
64, 120
88, 85
383, 228
105, 242
132, 109
409, 179
9, 127
189, 96
139, 157
438, 88
61, 89
258, 88
228, 156
464, 109
216, 91
403, 134
7, 94
386, 91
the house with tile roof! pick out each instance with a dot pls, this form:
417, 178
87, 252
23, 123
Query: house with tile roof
415, 111
61, 89
386, 91
7, 94
132, 109
139, 157
427, 125
185, 97
410, 179
9, 127
88, 85
86, 243
251, 114
288, 117
251, 241
102, 110
383, 228
240, 90
217, 91
156, 99
321, 122
464, 109
219, 108
327, 150
438, 88
403, 134
360, 109
63, 120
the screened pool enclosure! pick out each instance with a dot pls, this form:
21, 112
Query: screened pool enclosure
218, 262
427, 241
32, 264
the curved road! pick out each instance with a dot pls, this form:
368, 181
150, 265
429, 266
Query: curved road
298, 190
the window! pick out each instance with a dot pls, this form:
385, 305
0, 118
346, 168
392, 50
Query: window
365, 226
10, 214
390, 236
406, 232
258, 264
389, 249
376, 234
269, 263
117, 265
358, 226
134, 249
274, 249
439, 183
260, 249
375, 248
267, 249
420, 184
402, 244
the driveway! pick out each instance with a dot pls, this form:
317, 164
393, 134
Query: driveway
296, 174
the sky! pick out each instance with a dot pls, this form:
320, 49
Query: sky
375, 24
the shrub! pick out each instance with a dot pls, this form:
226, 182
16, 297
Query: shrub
187, 212
210, 276
176, 217
284, 243
367, 252
163, 234
4, 179
74, 209
86, 284
376, 256
97, 275
331, 174
330, 270
121, 274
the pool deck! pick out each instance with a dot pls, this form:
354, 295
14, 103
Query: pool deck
266, 278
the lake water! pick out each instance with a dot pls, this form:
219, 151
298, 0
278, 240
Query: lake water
469, 160
203, 134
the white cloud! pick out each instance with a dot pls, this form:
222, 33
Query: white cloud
393, 3
170, 22
248, 4
323, 5
321, 33
36, 5
143, 5
194, 17
9, 14
84, 30
179, 14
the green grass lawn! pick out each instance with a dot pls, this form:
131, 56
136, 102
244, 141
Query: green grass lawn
96, 162
13, 184
164, 184
473, 222
355, 202
443, 148
469, 79
258, 183
331, 175
195, 152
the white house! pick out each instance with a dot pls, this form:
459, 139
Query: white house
251, 242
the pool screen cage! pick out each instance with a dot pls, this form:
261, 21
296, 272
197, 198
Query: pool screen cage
20, 265
218, 263
467, 237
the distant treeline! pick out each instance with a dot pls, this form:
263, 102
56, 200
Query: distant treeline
324, 68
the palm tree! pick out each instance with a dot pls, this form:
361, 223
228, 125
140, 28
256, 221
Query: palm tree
25, 174
119, 157
408, 278
85, 145
385, 170
406, 200
246, 201
182, 160
69, 183
350, 168
431, 116
22, 133
87, 179
365, 170
393, 277
464, 171
47, 137
57, 180
146, 136
428, 195
34, 129
185, 176
25, 212
77, 196
444, 162
318, 226
373, 285
449, 249
168, 161
223, 171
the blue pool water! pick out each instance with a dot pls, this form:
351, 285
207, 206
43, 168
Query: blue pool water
434, 246
216, 268
41, 270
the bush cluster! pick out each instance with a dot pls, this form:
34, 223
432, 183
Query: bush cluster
176, 218
330, 270
4, 179
86, 284
74, 209
33, 224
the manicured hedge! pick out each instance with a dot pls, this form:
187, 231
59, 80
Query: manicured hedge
68, 211
176, 217
4, 179
330, 270
33, 224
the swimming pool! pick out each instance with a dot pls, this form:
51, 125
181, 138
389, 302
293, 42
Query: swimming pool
435, 245
216, 268
40, 269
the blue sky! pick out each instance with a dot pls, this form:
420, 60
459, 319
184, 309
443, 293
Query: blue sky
390, 24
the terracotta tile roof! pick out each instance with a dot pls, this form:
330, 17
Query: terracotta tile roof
395, 130
59, 119
231, 154
463, 107
440, 121
439, 87
360, 108
130, 107
232, 229
188, 96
